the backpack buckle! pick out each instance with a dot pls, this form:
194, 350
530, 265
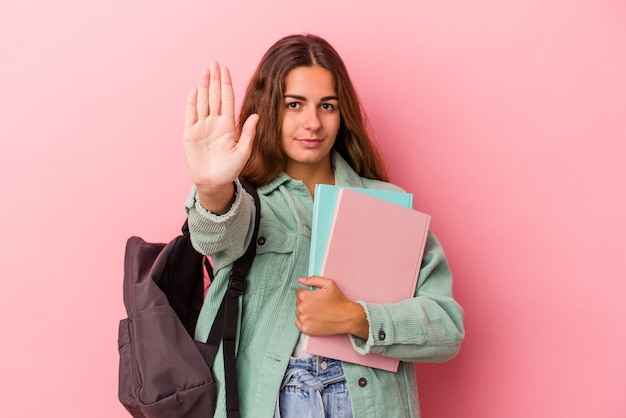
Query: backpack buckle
236, 286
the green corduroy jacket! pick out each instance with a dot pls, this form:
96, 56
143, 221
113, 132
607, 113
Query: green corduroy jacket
426, 328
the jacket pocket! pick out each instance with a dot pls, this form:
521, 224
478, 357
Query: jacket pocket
275, 240
274, 259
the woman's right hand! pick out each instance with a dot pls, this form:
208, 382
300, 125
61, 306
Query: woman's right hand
214, 151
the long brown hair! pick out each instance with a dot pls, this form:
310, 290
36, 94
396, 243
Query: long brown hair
264, 96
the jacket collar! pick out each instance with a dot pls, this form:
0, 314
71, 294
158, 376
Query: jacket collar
344, 176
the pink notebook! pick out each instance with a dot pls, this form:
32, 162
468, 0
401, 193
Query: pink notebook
374, 253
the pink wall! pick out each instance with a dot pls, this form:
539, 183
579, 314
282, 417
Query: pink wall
506, 119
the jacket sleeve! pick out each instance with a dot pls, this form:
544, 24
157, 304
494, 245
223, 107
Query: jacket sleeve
223, 237
425, 328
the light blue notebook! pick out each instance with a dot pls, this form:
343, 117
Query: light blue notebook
324, 211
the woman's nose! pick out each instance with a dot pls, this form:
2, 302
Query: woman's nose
312, 120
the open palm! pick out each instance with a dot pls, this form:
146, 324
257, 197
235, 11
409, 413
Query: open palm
215, 152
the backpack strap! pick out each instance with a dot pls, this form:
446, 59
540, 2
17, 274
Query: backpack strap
225, 324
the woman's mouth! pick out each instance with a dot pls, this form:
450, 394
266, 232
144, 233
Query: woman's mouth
310, 142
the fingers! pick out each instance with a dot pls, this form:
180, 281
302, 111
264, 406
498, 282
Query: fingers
202, 100
248, 131
191, 116
215, 89
316, 281
228, 96
215, 94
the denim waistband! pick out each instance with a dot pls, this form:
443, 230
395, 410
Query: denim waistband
326, 370
313, 375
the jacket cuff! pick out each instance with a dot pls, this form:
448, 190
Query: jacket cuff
380, 334
193, 203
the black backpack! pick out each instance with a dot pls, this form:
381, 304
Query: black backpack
163, 371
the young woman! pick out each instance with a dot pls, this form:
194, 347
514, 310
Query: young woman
300, 125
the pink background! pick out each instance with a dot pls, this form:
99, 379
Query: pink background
506, 119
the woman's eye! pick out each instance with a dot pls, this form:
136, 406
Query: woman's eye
327, 106
293, 105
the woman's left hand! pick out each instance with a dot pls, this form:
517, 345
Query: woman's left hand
325, 310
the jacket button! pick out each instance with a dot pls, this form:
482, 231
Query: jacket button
381, 335
261, 241
362, 382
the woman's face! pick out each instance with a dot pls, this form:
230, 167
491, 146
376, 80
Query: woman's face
311, 118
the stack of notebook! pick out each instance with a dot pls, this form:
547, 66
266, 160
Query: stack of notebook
371, 242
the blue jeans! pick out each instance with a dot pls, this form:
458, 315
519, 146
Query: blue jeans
314, 388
